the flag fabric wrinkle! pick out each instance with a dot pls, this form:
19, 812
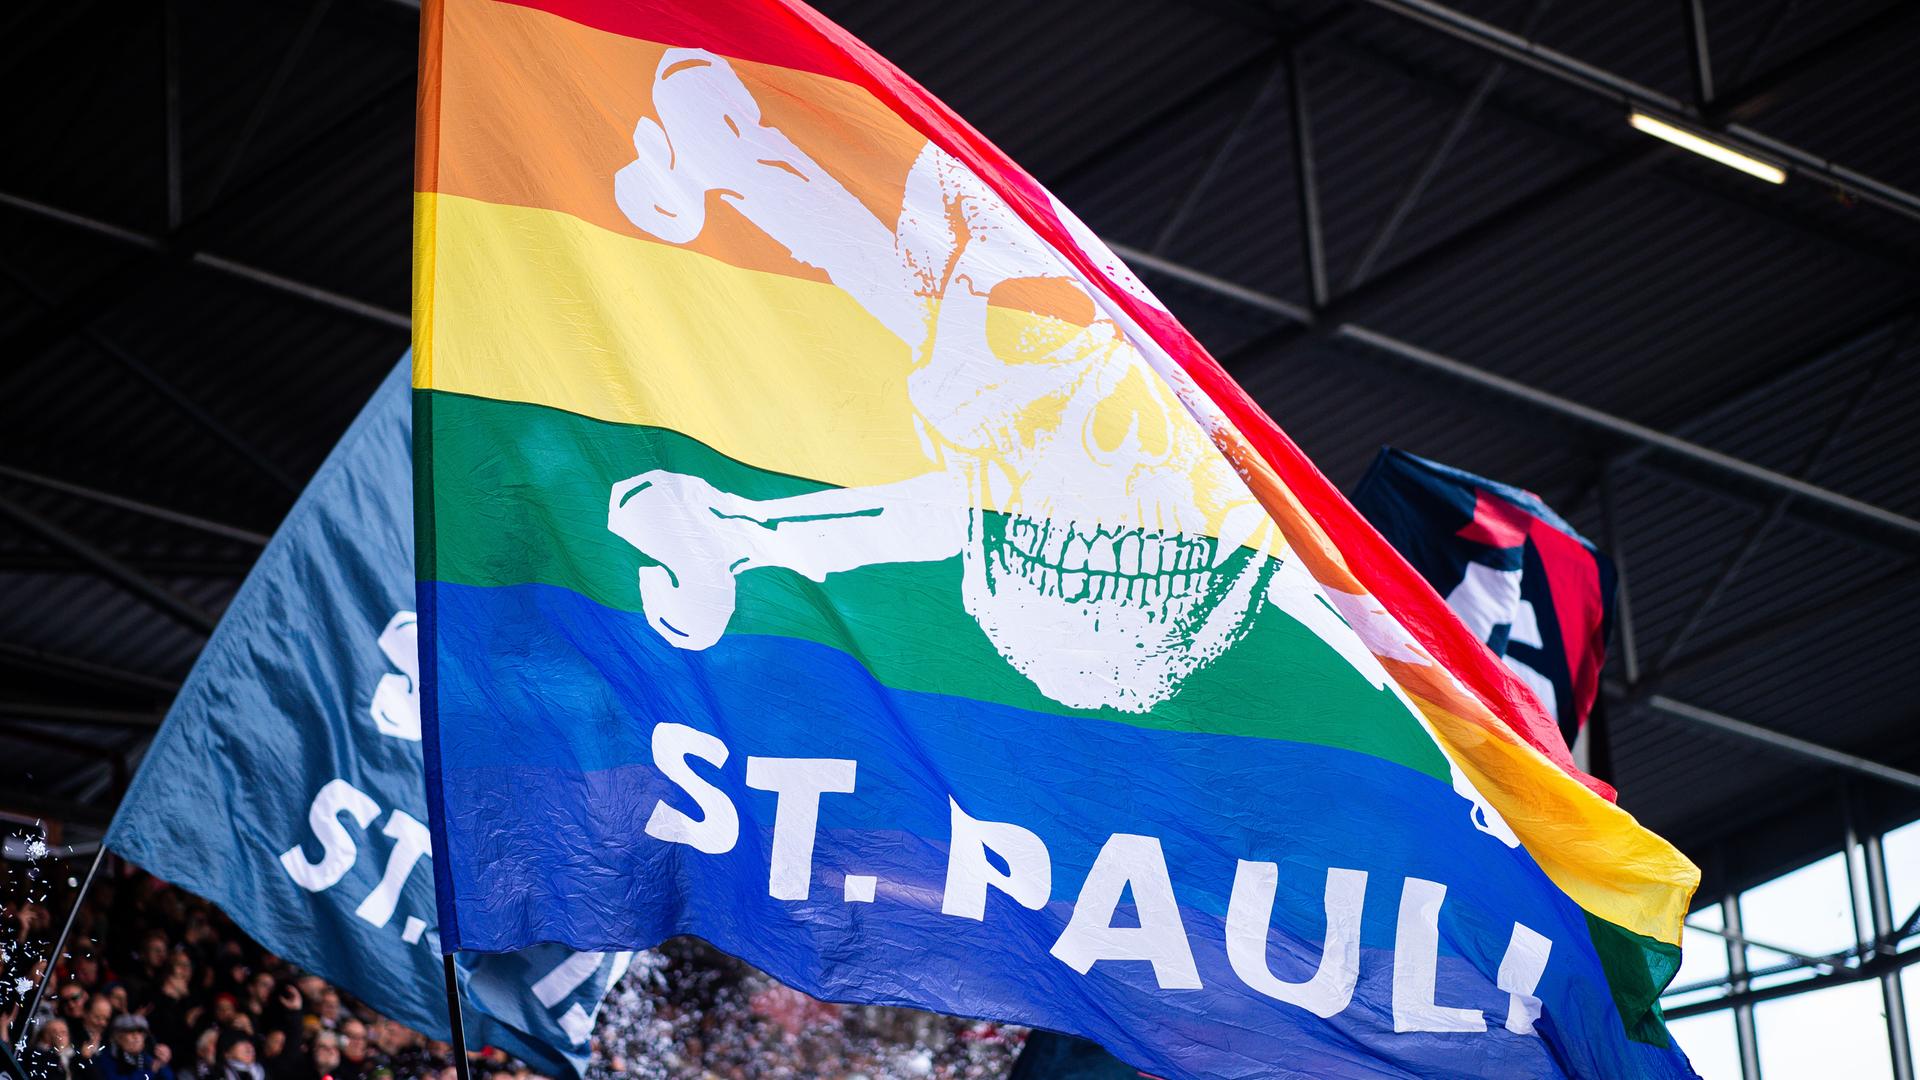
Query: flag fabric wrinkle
829, 548
286, 787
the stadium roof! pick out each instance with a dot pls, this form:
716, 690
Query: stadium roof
207, 219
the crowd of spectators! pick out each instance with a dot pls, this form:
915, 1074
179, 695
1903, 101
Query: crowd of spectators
157, 984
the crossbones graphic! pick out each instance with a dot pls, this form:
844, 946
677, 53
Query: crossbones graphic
1101, 580
1126, 553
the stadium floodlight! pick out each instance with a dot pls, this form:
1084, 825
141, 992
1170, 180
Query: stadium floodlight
1707, 148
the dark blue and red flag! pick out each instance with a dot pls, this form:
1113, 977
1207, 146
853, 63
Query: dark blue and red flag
1536, 591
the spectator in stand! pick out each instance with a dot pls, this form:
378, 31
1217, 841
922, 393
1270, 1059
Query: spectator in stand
330, 1012
285, 1012
356, 1056
403, 1048
206, 1058
324, 1062
130, 1058
93, 1031
240, 1063
259, 997
53, 1056
225, 1018
171, 1011
149, 970
310, 987
84, 968
73, 1005
281, 1056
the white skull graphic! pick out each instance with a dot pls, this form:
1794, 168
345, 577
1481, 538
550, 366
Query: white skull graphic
1109, 550
1099, 577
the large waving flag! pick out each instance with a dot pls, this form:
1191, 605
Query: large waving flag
829, 548
285, 785
1536, 591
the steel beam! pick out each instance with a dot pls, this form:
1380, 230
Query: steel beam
1540, 400
1892, 994
1699, 56
1595, 419
1212, 93
77, 746
1746, 999
165, 388
159, 596
1423, 178
220, 264
47, 808
1610, 528
78, 670
1638, 153
1217, 162
1313, 246
1888, 323
1885, 32
1756, 536
314, 294
1784, 743
170, 109
264, 101
1825, 963
1215, 93
1273, 305
1746, 1035
1416, 188
81, 714
1629, 94
1786, 625
145, 509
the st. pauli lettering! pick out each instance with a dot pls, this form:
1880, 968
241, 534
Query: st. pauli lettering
837, 553
287, 787
1012, 860
412, 844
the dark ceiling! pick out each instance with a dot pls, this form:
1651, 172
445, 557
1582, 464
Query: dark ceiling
194, 346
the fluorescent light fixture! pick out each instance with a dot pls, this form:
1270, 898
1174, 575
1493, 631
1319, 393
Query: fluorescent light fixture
1687, 140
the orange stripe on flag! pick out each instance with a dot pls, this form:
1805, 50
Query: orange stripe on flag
538, 111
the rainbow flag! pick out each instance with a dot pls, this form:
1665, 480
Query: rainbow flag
829, 548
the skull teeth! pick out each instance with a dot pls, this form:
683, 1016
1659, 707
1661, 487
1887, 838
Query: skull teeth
1131, 566
1067, 546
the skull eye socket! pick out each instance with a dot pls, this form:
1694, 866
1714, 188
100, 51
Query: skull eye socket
1031, 319
1131, 425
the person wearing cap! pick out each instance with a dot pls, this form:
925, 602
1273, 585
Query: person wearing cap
240, 1063
128, 1057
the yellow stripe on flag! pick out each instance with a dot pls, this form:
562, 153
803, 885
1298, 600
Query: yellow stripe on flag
1595, 852
775, 371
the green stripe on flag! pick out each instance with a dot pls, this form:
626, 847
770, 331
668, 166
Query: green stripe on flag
521, 498
1638, 969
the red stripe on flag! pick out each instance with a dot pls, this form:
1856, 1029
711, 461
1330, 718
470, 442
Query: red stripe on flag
790, 34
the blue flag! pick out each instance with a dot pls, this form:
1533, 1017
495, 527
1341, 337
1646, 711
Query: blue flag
286, 784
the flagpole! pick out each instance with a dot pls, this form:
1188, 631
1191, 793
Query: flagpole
462, 1067
9, 1065
32, 1004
